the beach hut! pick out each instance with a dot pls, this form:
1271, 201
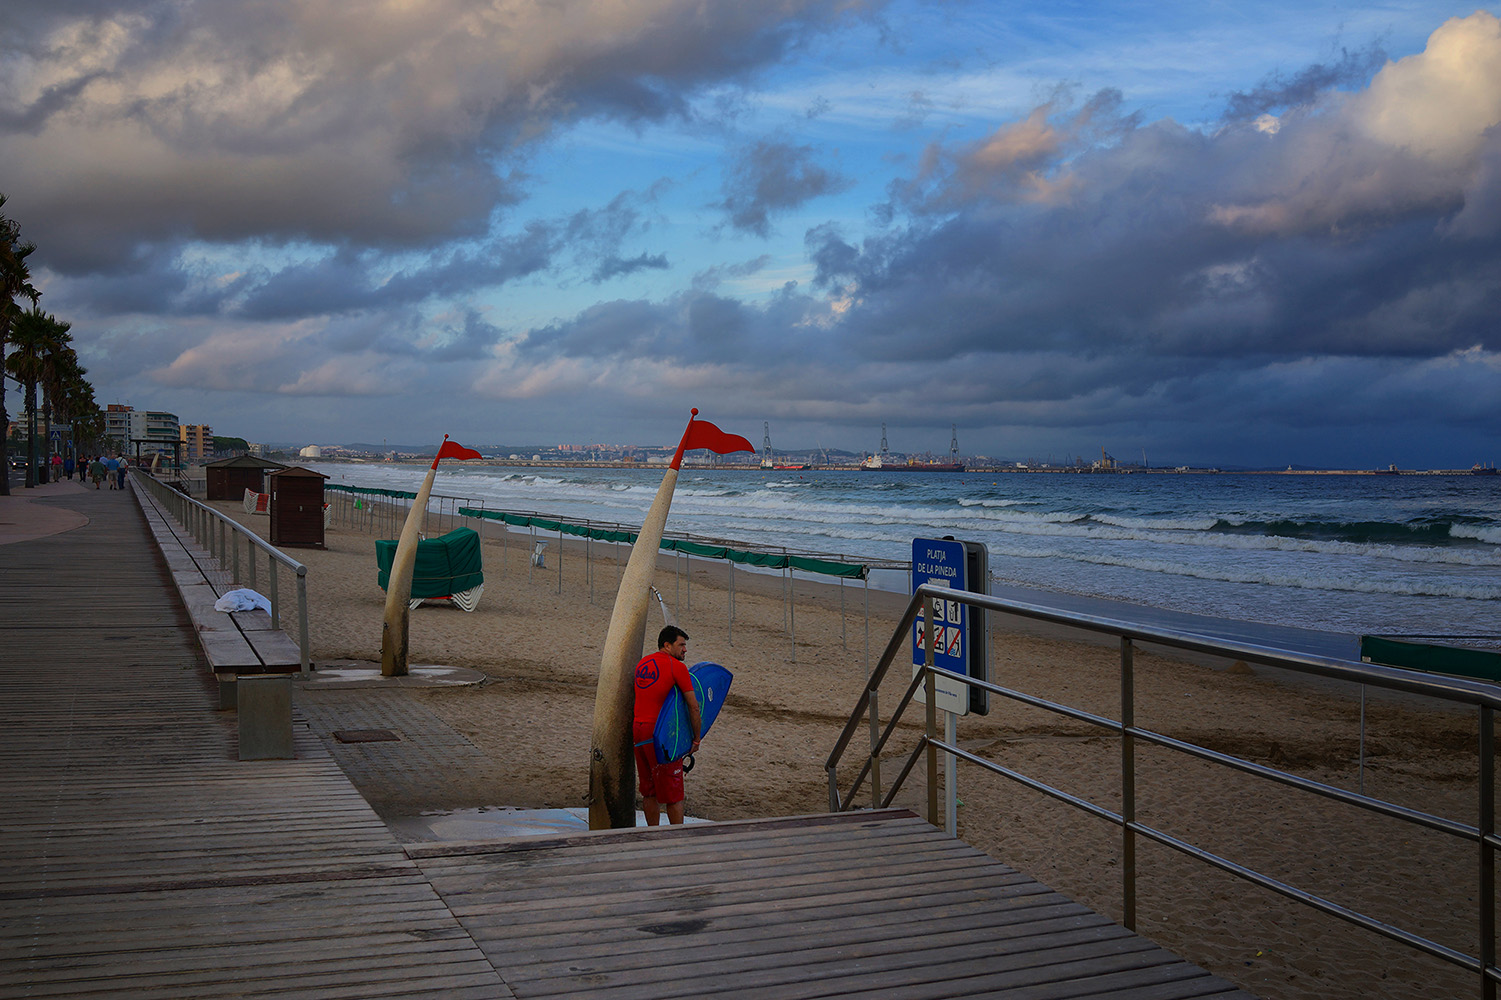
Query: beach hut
297, 507
229, 478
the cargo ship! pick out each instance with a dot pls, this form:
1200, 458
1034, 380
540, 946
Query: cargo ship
875, 464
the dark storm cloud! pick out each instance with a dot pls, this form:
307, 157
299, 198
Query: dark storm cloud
695, 327
351, 279
1330, 232
1279, 91
129, 124
615, 267
770, 177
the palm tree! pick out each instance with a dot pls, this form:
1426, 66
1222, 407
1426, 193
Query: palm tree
38, 361
72, 399
15, 282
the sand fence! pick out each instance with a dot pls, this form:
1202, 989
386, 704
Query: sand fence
382, 512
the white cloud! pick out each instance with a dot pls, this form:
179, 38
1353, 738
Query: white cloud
1411, 141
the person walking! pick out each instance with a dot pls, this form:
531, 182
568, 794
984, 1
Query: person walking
120, 472
97, 471
656, 676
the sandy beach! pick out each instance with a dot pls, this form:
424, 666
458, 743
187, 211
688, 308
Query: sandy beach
537, 635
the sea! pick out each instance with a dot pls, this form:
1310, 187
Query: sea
1336, 554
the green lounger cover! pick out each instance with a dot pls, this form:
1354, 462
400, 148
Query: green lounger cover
445, 566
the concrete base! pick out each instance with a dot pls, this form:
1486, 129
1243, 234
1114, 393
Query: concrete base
226, 683
265, 711
364, 674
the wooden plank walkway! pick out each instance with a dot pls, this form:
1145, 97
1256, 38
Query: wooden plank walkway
139, 858
852, 905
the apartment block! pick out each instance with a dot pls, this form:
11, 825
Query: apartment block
197, 443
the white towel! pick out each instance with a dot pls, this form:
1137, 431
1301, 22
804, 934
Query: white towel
243, 599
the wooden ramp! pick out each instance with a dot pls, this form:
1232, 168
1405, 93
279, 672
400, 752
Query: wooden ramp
853, 905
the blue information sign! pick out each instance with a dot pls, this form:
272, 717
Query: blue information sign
942, 562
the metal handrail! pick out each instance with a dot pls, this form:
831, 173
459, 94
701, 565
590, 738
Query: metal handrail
1486, 698
219, 535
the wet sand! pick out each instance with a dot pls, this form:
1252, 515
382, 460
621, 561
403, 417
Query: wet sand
766, 755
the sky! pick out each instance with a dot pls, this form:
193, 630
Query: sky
1205, 232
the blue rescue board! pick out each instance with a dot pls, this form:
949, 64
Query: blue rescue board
674, 736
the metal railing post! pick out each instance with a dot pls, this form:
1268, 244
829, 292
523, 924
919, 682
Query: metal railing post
1487, 888
275, 595
302, 641
930, 691
1128, 784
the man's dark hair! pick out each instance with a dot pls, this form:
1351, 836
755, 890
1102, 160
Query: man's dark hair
669, 635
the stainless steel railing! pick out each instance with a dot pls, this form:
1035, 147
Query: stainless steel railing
223, 538
1484, 698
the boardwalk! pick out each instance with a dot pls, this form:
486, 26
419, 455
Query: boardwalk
138, 857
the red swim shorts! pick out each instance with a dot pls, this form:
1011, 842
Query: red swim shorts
663, 782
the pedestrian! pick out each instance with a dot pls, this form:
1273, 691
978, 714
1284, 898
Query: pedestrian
656, 676
111, 466
68, 467
97, 471
120, 471
57, 468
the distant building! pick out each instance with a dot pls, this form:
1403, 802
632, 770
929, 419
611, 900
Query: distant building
142, 432
311, 451
256, 449
197, 443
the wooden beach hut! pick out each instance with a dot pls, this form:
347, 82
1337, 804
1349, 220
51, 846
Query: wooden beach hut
229, 478
297, 507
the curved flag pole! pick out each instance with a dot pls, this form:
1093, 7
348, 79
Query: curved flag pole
612, 762
393, 637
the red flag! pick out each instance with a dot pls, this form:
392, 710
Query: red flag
452, 449
702, 434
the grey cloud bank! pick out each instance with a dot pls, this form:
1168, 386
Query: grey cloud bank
319, 218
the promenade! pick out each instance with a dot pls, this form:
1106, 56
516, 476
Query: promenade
139, 857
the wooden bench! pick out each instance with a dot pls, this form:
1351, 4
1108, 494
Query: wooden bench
238, 646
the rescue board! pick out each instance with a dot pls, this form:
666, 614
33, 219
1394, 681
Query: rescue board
673, 736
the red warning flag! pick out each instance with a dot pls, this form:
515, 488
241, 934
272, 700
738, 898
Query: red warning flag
452, 449
702, 434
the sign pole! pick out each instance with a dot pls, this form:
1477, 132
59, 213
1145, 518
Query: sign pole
950, 776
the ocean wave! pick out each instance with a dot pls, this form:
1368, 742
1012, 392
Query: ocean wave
1158, 523
1067, 525
1275, 578
1488, 533
1435, 531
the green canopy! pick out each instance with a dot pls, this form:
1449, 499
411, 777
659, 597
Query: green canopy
445, 566
765, 560
1431, 658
